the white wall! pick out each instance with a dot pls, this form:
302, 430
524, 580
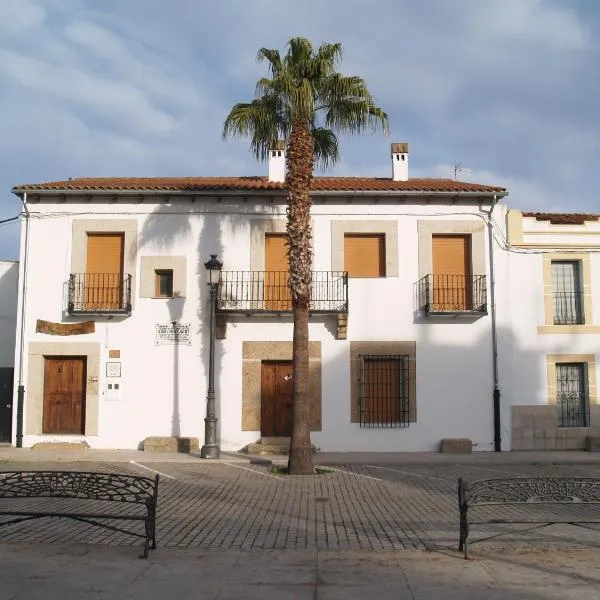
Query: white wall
160, 383
9, 272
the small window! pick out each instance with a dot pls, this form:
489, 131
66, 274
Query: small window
163, 287
384, 391
567, 304
364, 254
572, 402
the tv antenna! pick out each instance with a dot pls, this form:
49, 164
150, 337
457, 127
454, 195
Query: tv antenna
458, 168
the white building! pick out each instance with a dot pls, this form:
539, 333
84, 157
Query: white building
550, 329
9, 271
116, 319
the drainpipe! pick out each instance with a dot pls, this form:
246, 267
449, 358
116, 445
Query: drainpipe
23, 274
496, 392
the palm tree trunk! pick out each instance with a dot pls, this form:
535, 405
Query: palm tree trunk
298, 178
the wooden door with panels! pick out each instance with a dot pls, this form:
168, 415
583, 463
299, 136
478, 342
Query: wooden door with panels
451, 259
104, 271
276, 414
277, 293
64, 394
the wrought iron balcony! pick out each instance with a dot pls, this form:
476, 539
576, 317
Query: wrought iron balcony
452, 295
568, 308
99, 293
264, 292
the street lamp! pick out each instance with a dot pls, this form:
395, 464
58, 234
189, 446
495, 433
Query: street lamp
211, 447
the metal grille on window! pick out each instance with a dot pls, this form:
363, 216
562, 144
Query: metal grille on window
384, 387
572, 406
566, 293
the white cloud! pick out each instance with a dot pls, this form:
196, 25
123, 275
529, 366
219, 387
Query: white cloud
110, 99
19, 16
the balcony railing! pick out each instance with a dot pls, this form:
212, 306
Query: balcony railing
255, 292
99, 293
452, 294
567, 307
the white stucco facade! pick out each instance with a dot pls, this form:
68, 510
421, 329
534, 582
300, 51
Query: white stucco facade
9, 272
162, 388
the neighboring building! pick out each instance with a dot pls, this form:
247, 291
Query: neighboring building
402, 351
9, 271
548, 355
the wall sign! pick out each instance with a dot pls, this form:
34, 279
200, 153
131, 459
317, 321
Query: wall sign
113, 369
166, 334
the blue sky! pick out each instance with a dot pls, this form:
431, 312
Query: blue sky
508, 88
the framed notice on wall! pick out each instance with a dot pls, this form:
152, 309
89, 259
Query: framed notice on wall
172, 334
113, 369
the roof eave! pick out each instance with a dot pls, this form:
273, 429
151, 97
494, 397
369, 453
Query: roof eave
277, 192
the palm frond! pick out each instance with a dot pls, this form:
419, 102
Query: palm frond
304, 87
326, 147
272, 56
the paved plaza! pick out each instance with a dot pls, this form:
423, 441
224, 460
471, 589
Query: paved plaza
386, 522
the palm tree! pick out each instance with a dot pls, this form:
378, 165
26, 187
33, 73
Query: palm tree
305, 101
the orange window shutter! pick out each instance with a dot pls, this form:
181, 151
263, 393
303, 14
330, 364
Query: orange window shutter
104, 253
276, 252
364, 255
451, 261
277, 294
451, 254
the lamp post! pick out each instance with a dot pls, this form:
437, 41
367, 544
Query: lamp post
211, 447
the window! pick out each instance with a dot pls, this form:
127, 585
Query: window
572, 403
103, 277
566, 293
364, 254
384, 397
163, 283
452, 283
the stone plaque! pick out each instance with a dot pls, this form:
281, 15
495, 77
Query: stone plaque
171, 334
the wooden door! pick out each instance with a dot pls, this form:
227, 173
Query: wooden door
6, 403
451, 257
276, 398
364, 254
277, 289
64, 394
104, 272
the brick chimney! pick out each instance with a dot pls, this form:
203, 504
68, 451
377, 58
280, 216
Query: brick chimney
400, 162
277, 162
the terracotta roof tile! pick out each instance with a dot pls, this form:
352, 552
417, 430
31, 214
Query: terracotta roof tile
208, 184
563, 218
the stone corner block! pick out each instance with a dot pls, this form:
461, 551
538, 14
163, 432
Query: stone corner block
592, 443
456, 446
185, 445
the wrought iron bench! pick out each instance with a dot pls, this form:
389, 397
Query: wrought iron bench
558, 492
104, 489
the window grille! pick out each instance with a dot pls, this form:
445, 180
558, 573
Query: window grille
572, 404
384, 391
566, 293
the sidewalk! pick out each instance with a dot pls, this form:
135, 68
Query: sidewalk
74, 572
558, 457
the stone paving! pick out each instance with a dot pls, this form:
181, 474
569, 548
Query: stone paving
235, 504
29, 572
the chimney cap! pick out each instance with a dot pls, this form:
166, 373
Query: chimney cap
400, 148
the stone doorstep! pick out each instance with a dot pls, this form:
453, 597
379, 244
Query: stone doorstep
592, 443
61, 446
184, 445
456, 446
266, 449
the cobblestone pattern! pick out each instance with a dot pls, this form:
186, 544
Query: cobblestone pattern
354, 507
